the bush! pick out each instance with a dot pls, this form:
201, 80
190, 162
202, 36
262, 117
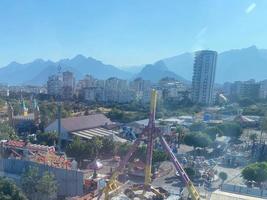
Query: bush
255, 172
197, 139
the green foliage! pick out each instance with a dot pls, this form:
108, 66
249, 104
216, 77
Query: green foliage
253, 137
108, 146
78, 150
197, 139
9, 191
159, 156
38, 186
47, 138
47, 187
125, 116
190, 172
231, 129
223, 176
7, 132
255, 172
212, 132
198, 126
246, 102
123, 149
89, 149
95, 145
29, 181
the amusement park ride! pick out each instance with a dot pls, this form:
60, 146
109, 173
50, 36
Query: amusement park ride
149, 134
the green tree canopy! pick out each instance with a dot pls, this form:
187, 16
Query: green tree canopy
108, 146
7, 132
78, 150
47, 138
9, 191
190, 172
223, 176
37, 186
197, 139
198, 126
231, 129
212, 132
255, 172
47, 187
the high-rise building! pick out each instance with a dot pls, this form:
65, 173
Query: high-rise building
263, 89
203, 77
54, 85
68, 85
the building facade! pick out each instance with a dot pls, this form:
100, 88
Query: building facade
204, 76
54, 85
68, 88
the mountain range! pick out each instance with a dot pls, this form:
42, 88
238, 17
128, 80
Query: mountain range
232, 65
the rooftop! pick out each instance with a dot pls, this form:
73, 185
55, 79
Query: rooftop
71, 124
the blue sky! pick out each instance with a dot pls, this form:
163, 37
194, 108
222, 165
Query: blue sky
127, 32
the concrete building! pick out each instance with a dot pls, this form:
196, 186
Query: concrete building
68, 87
85, 127
263, 89
54, 85
140, 87
247, 89
204, 76
116, 90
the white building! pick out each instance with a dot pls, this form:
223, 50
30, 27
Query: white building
54, 85
203, 77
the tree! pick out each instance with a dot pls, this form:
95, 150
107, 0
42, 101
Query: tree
231, 129
47, 187
197, 139
159, 156
7, 132
78, 150
47, 138
190, 172
198, 126
94, 146
37, 186
29, 181
212, 132
255, 172
9, 191
223, 176
123, 148
108, 146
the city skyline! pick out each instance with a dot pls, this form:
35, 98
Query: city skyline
124, 33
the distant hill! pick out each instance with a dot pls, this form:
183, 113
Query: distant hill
239, 64
38, 71
232, 65
157, 71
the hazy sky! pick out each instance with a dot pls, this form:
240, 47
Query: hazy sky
127, 32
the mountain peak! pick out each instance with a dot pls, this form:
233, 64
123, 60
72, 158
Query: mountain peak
79, 57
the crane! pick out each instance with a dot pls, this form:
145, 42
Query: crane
149, 134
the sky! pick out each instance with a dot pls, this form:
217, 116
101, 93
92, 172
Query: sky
127, 32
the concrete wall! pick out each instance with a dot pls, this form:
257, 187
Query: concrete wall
244, 190
70, 182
